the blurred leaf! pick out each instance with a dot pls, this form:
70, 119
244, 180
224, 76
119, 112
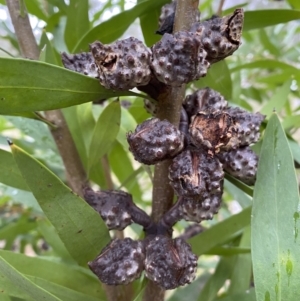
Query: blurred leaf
105, 133
9, 171
74, 220
191, 291
122, 167
275, 222
217, 279
267, 64
295, 148
128, 123
291, 122
61, 292
47, 54
149, 25
263, 18
217, 78
278, 100
33, 7
248, 295
17, 227
69, 276
27, 85
294, 3
266, 42
23, 283
242, 270
112, 29
220, 233
239, 184
228, 251
77, 22
237, 194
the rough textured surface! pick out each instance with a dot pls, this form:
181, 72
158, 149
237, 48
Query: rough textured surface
194, 174
113, 206
155, 140
220, 37
207, 100
170, 263
211, 130
83, 63
122, 65
241, 163
246, 127
179, 58
120, 262
195, 211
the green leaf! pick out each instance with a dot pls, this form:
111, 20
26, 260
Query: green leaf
263, 18
78, 225
47, 54
216, 281
61, 292
248, 295
105, 133
66, 275
110, 30
291, 122
51, 237
267, 64
278, 100
220, 233
9, 171
294, 3
33, 8
149, 25
217, 78
22, 283
242, 270
122, 167
77, 22
27, 86
275, 222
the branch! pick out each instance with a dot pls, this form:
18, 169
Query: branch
169, 107
75, 173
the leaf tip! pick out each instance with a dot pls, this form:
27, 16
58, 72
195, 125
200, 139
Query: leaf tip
10, 143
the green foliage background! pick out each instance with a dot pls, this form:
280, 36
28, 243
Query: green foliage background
249, 251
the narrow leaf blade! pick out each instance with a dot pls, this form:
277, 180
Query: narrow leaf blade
275, 222
78, 225
23, 283
27, 86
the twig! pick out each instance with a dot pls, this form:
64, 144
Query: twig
76, 176
220, 8
169, 107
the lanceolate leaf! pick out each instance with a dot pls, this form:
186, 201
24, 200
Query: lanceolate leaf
275, 220
220, 232
78, 225
27, 86
77, 22
9, 172
22, 283
218, 78
105, 133
263, 18
69, 276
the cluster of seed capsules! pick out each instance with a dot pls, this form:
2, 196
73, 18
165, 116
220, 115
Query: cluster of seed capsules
212, 138
176, 59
